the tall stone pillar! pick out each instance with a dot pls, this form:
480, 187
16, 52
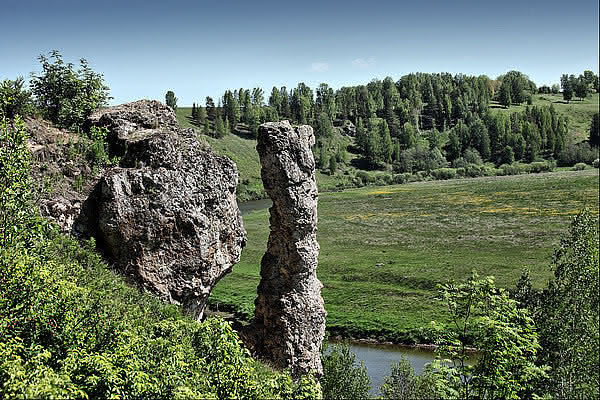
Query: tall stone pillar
289, 316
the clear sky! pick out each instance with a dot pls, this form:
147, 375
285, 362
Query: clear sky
200, 48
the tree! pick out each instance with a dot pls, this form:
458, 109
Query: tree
15, 99
505, 335
231, 107
219, 127
504, 97
580, 87
453, 149
507, 156
211, 111
332, 164
324, 128
275, 99
595, 130
403, 383
386, 145
408, 137
171, 100
258, 97
569, 313
566, 82
342, 377
200, 115
67, 96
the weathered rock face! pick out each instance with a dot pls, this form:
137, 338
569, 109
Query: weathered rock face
123, 120
167, 216
289, 317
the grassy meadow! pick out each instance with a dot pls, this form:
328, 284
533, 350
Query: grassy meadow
384, 250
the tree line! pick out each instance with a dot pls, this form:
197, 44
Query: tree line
437, 118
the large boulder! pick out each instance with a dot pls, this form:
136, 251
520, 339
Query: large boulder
167, 217
289, 323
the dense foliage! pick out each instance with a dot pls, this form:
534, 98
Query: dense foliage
67, 96
70, 328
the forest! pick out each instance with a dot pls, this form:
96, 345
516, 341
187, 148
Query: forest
419, 122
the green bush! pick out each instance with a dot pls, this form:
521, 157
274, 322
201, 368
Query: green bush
67, 96
579, 167
342, 377
444, 173
511, 169
541, 166
364, 178
596, 163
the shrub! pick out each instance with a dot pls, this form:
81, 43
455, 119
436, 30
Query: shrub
401, 178
342, 377
596, 163
541, 166
579, 167
67, 96
444, 173
97, 148
459, 163
364, 177
472, 156
420, 158
511, 169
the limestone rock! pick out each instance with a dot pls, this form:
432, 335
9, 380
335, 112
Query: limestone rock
123, 120
289, 323
167, 216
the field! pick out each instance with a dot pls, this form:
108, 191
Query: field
384, 250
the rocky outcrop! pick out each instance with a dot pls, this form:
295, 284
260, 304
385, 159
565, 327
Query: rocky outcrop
167, 216
124, 120
289, 317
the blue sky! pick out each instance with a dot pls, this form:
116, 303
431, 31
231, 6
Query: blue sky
200, 48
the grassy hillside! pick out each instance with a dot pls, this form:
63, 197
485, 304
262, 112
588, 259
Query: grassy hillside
579, 112
385, 249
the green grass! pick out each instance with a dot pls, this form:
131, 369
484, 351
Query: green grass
384, 250
579, 112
